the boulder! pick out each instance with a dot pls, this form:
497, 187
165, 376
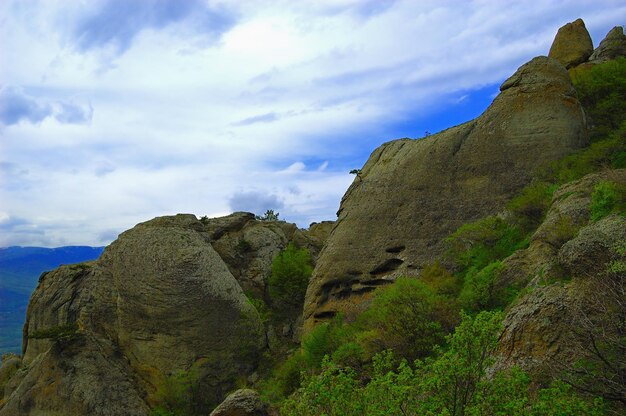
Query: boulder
572, 45
411, 194
244, 402
611, 47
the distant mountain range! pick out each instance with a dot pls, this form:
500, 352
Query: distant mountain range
20, 268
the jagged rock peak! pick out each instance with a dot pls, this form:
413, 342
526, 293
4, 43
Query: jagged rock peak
572, 44
611, 47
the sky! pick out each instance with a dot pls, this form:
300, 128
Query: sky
113, 112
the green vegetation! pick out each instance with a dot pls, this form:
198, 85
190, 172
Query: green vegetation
291, 270
453, 382
65, 332
404, 356
475, 245
177, 394
530, 206
602, 92
607, 197
269, 215
244, 246
410, 318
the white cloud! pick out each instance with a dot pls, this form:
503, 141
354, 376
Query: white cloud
174, 113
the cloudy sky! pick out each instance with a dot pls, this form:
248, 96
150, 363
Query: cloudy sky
113, 112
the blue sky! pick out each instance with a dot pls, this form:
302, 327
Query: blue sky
113, 112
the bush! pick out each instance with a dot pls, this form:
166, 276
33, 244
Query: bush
475, 245
607, 197
325, 339
440, 280
410, 318
483, 291
291, 270
65, 332
530, 206
285, 379
602, 92
177, 394
609, 153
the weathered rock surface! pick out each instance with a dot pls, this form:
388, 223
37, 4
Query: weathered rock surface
411, 194
165, 297
244, 402
611, 47
572, 45
159, 300
248, 246
542, 331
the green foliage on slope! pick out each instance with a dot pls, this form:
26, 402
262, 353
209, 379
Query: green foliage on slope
602, 92
452, 382
291, 271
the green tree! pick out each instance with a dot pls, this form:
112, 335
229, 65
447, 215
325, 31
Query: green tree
269, 215
291, 270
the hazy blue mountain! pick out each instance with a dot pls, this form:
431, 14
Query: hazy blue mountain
20, 268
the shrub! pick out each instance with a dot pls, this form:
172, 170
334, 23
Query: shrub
530, 206
57, 333
291, 270
325, 339
265, 313
269, 215
440, 280
243, 246
285, 379
606, 198
177, 394
410, 318
475, 245
602, 92
481, 290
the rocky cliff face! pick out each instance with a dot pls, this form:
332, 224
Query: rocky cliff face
411, 194
165, 297
571, 291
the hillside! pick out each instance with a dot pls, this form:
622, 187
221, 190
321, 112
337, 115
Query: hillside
477, 271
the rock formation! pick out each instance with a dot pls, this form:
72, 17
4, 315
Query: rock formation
244, 402
160, 300
565, 268
611, 47
411, 194
248, 246
572, 45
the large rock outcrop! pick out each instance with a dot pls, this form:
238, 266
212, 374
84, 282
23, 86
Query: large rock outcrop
411, 194
102, 338
611, 47
570, 291
572, 44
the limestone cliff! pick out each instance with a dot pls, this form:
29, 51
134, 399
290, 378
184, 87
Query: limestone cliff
164, 297
411, 194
